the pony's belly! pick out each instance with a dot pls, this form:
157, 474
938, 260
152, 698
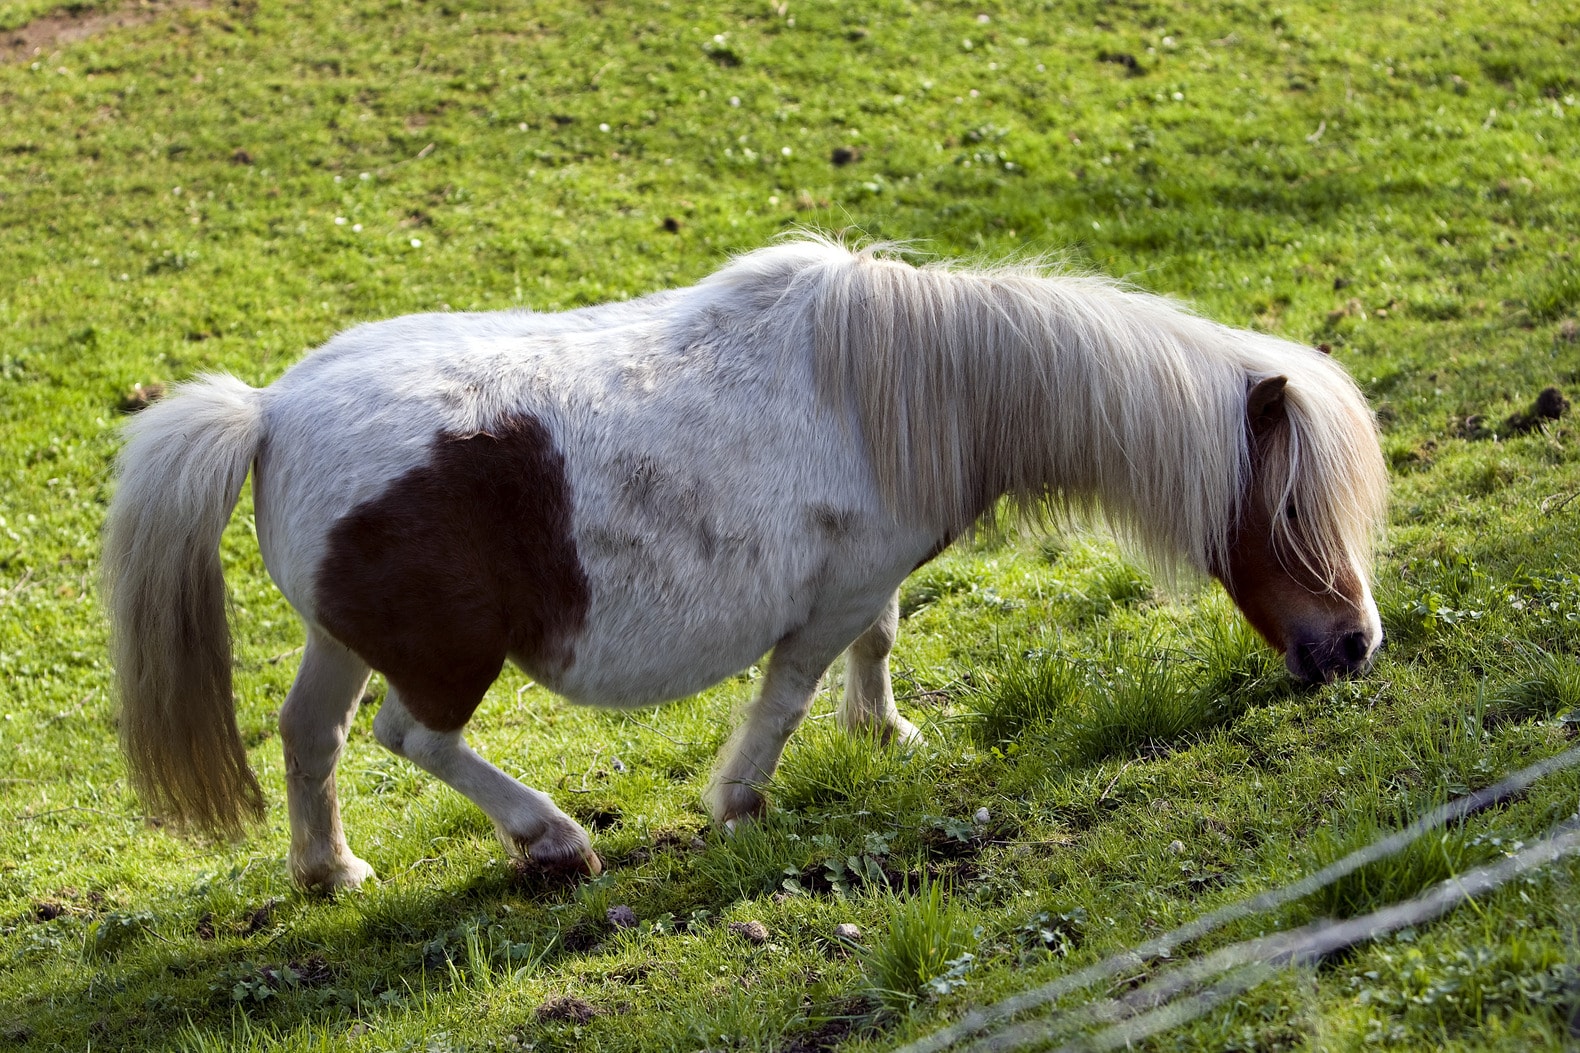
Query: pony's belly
627, 673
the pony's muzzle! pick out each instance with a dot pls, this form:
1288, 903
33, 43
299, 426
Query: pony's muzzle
1323, 661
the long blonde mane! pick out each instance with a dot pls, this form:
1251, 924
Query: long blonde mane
1074, 395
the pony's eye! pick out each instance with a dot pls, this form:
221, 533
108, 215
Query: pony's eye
1291, 513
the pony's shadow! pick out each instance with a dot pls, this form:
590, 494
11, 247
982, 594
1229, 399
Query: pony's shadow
298, 964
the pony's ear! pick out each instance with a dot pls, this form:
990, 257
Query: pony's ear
1264, 405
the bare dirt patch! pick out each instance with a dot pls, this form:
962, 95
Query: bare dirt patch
49, 33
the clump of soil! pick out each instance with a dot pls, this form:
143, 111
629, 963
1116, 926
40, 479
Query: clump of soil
140, 397
566, 1009
750, 931
1550, 405
48, 33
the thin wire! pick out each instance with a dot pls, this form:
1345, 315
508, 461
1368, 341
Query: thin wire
1153, 1007
982, 1020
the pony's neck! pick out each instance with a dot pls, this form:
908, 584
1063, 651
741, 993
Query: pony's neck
1066, 395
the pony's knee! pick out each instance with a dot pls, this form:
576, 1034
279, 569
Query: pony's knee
428, 749
785, 719
312, 744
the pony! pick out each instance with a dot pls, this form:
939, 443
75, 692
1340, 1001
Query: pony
633, 501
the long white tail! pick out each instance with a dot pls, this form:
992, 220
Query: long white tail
181, 472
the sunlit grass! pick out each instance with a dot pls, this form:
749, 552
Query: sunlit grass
225, 186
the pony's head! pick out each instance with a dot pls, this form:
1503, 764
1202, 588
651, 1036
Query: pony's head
1299, 547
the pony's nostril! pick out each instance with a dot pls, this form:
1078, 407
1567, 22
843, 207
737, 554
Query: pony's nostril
1355, 647
1302, 661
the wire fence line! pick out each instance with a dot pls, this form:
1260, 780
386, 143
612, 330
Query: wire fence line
1150, 1008
1253, 961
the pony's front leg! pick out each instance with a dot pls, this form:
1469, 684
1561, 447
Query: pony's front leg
526, 820
868, 703
313, 724
753, 752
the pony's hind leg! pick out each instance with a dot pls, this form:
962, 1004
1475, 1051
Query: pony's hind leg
868, 703
527, 820
752, 754
313, 725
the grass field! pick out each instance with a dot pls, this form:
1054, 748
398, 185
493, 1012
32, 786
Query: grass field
223, 185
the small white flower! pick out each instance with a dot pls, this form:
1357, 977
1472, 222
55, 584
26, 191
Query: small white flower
984, 19
357, 227
340, 221
786, 151
364, 176
735, 100
416, 243
1179, 96
603, 127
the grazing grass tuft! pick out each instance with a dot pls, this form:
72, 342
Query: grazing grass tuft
1429, 859
1545, 685
826, 765
1143, 703
1034, 695
921, 948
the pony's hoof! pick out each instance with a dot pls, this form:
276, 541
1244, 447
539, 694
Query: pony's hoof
736, 804
901, 732
584, 863
349, 872
566, 849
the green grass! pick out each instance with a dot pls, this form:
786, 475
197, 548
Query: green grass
921, 948
231, 183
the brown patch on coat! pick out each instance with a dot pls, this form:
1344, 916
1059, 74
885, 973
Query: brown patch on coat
461, 563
